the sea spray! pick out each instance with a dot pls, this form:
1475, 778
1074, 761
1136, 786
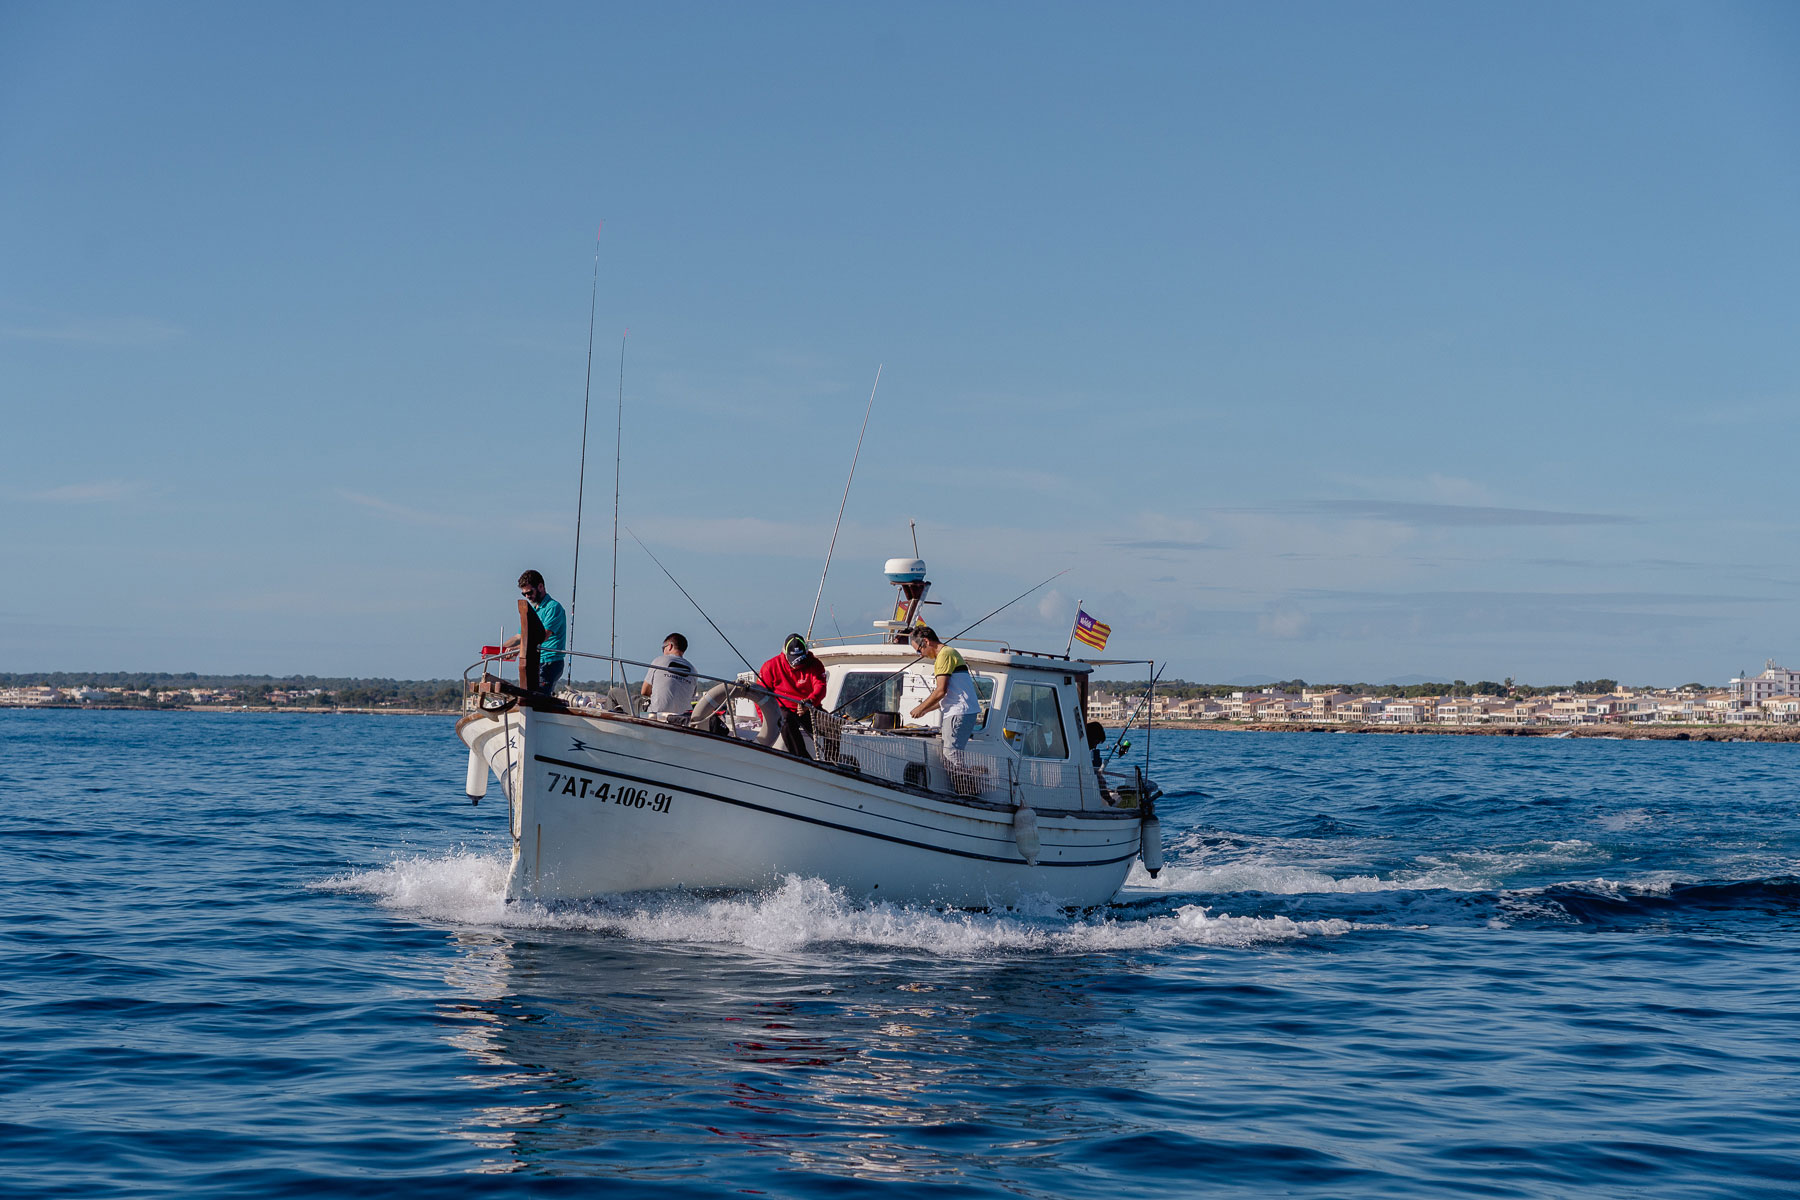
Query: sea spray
805, 914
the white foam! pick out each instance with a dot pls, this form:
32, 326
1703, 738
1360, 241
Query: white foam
1273, 878
1489, 870
1254, 875
469, 889
1458, 871
458, 886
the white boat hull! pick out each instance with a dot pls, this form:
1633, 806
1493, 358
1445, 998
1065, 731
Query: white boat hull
605, 804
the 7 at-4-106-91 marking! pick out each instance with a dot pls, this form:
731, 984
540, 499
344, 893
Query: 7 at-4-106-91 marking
582, 787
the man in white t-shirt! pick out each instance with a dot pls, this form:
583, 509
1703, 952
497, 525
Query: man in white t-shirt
670, 680
954, 694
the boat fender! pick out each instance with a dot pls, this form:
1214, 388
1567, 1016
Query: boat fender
1150, 845
1025, 833
476, 786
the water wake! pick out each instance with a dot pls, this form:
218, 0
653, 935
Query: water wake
464, 888
1268, 873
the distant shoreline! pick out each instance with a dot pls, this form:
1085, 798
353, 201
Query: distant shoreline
240, 709
1653, 733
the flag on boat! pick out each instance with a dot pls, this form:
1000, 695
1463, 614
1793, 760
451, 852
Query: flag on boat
1090, 632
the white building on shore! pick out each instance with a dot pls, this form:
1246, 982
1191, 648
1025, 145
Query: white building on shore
1774, 681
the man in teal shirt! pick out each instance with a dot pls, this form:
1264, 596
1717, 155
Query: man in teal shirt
556, 624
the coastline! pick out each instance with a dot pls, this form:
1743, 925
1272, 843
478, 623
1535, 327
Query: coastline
1657, 733
244, 709
1654, 733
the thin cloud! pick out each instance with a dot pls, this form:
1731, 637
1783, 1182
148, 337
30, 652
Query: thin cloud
1749, 412
1286, 624
106, 491
411, 516
118, 332
1619, 599
448, 520
1160, 544
741, 535
1406, 512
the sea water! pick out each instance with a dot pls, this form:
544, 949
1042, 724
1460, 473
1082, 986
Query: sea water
269, 955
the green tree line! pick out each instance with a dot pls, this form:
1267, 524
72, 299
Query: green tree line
253, 689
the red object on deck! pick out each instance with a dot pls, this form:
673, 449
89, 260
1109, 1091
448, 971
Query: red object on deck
494, 652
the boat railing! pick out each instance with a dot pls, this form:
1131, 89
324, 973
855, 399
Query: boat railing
911, 757
616, 693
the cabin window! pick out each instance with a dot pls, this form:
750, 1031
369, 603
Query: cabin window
865, 692
984, 691
1035, 721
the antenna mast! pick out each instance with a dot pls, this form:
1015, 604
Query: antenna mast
581, 480
840, 517
612, 649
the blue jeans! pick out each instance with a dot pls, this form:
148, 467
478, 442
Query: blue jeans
955, 732
548, 673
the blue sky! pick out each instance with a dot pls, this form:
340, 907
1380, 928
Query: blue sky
1320, 340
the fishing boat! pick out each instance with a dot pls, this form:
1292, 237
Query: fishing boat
605, 799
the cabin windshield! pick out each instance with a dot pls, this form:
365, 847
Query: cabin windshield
1035, 720
869, 692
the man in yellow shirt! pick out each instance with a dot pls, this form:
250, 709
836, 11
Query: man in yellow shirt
954, 694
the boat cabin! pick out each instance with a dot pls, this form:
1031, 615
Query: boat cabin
1029, 743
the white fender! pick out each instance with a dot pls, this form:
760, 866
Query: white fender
1025, 833
476, 786
1150, 844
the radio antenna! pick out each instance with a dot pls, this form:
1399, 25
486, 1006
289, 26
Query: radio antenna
612, 649
690, 599
581, 480
840, 517
882, 682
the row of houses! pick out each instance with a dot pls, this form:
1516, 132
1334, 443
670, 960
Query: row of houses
27, 697
1773, 697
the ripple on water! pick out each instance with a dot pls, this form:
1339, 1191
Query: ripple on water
279, 960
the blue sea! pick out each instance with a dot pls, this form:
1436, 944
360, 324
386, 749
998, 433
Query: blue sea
268, 955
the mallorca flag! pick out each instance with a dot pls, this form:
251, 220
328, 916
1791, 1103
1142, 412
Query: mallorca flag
1090, 632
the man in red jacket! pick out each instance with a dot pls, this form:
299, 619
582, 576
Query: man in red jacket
797, 678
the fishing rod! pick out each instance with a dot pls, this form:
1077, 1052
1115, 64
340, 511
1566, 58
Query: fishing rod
690, 599
581, 484
1123, 743
842, 503
618, 446
882, 682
